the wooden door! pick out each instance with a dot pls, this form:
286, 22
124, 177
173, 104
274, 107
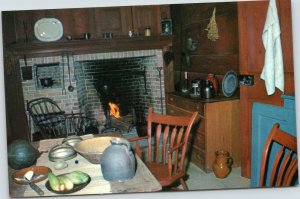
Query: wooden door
16, 122
117, 20
251, 19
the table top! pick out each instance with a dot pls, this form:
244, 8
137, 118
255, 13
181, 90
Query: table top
143, 181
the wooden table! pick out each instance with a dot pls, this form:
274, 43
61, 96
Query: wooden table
143, 181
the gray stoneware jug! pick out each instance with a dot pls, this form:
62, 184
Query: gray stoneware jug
118, 161
208, 90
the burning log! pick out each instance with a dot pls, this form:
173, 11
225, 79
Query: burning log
114, 110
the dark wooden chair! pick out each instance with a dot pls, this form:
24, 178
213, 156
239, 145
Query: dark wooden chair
78, 124
53, 122
167, 157
284, 167
47, 117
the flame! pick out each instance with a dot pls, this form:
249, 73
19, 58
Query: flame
114, 110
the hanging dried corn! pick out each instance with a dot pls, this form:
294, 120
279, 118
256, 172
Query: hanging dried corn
212, 28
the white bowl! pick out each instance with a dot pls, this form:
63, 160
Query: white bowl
92, 149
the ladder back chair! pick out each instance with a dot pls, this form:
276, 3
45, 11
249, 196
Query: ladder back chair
53, 122
47, 116
167, 157
284, 167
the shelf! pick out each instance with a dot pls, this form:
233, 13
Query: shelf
39, 49
217, 98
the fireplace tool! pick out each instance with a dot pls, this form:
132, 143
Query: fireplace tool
70, 87
63, 76
160, 87
145, 80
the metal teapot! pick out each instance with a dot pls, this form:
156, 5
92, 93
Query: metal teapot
208, 90
118, 161
197, 84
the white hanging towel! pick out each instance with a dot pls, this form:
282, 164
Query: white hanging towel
272, 72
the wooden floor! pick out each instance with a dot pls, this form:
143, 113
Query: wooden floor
199, 180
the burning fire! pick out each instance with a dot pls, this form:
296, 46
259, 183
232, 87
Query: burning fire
114, 110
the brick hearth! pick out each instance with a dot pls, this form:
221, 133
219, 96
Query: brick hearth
86, 68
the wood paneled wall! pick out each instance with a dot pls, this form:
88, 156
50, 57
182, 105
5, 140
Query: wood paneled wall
118, 20
191, 20
252, 16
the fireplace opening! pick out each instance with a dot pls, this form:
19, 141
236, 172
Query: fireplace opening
116, 108
127, 83
132, 74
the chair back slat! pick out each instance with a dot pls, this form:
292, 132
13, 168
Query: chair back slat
173, 137
39, 112
180, 135
291, 171
149, 140
165, 142
276, 166
47, 108
284, 167
177, 151
157, 147
35, 110
42, 108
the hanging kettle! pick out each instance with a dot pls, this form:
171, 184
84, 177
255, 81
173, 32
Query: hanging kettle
118, 161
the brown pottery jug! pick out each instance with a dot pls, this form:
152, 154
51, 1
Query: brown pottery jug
222, 164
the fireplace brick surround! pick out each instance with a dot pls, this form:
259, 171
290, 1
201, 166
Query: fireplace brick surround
84, 74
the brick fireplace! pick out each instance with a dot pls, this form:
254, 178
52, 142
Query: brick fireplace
135, 76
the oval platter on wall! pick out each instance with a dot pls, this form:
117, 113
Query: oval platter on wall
48, 29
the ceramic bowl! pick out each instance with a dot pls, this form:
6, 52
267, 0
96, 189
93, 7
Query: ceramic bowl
40, 174
92, 149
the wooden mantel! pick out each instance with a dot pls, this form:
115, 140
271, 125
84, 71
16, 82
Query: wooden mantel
39, 49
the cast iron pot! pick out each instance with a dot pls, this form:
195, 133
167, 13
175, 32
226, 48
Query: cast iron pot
47, 82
